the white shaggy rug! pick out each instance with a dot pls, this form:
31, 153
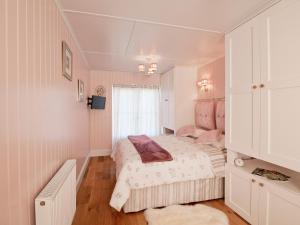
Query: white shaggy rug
186, 215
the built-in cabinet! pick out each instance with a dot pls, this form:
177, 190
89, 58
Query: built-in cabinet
261, 201
262, 114
280, 75
178, 94
263, 86
241, 194
167, 100
242, 100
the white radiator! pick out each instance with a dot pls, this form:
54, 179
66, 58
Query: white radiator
56, 204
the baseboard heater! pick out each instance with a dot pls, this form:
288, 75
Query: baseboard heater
56, 203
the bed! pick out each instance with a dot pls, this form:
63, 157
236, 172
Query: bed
195, 174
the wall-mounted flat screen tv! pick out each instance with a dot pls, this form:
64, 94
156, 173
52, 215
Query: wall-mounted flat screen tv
98, 102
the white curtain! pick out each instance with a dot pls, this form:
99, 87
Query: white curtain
135, 111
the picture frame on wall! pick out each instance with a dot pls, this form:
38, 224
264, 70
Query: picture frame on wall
80, 91
67, 61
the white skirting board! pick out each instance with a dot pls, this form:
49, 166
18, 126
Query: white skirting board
82, 171
92, 153
100, 152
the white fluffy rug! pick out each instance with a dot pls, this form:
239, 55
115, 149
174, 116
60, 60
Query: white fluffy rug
186, 215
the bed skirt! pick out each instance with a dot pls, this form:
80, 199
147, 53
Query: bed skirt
176, 193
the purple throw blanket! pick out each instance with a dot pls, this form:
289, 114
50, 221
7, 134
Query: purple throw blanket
149, 150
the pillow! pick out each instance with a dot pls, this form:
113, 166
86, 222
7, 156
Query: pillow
209, 137
185, 131
219, 144
205, 115
199, 132
189, 131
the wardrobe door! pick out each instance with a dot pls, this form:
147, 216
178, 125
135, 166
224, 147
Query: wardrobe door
171, 119
280, 84
242, 94
278, 206
241, 194
164, 85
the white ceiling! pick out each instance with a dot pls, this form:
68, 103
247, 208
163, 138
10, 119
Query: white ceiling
120, 34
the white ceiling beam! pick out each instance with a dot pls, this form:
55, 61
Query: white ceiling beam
164, 58
116, 54
143, 21
130, 38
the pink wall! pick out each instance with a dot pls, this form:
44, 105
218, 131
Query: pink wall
101, 120
41, 124
215, 73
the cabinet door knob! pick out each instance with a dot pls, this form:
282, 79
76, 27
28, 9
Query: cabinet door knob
254, 86
253, 181
261, 85
261, 184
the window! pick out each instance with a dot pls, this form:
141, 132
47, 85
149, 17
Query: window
135, 111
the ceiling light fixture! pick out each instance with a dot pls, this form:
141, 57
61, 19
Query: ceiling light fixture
152, 68
141, 68
150, 72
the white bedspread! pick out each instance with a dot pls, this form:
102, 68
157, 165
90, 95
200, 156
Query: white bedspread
190, 162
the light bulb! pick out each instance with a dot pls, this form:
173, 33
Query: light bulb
141, 68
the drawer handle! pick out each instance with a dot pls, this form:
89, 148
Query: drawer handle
261, 184
262, 86
253, 181
254, 87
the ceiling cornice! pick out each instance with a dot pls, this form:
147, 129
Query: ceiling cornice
254, 14
69, 27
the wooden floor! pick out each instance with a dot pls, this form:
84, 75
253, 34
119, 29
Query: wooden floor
95, 192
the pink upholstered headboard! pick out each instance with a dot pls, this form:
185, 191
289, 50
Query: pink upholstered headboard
220, 115
205, 115
210, 115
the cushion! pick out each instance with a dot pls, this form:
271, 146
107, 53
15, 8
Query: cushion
209, 137
220, 144
205, 115
189, 131
185, 130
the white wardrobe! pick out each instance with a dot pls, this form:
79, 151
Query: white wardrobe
262, 105
263, 86
178, 94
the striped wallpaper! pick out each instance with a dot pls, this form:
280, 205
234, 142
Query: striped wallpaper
101, 120
41, 124
214, 72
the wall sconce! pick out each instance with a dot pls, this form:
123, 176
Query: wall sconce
203, 84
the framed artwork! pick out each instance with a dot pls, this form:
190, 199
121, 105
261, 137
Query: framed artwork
67, 61
80, 91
